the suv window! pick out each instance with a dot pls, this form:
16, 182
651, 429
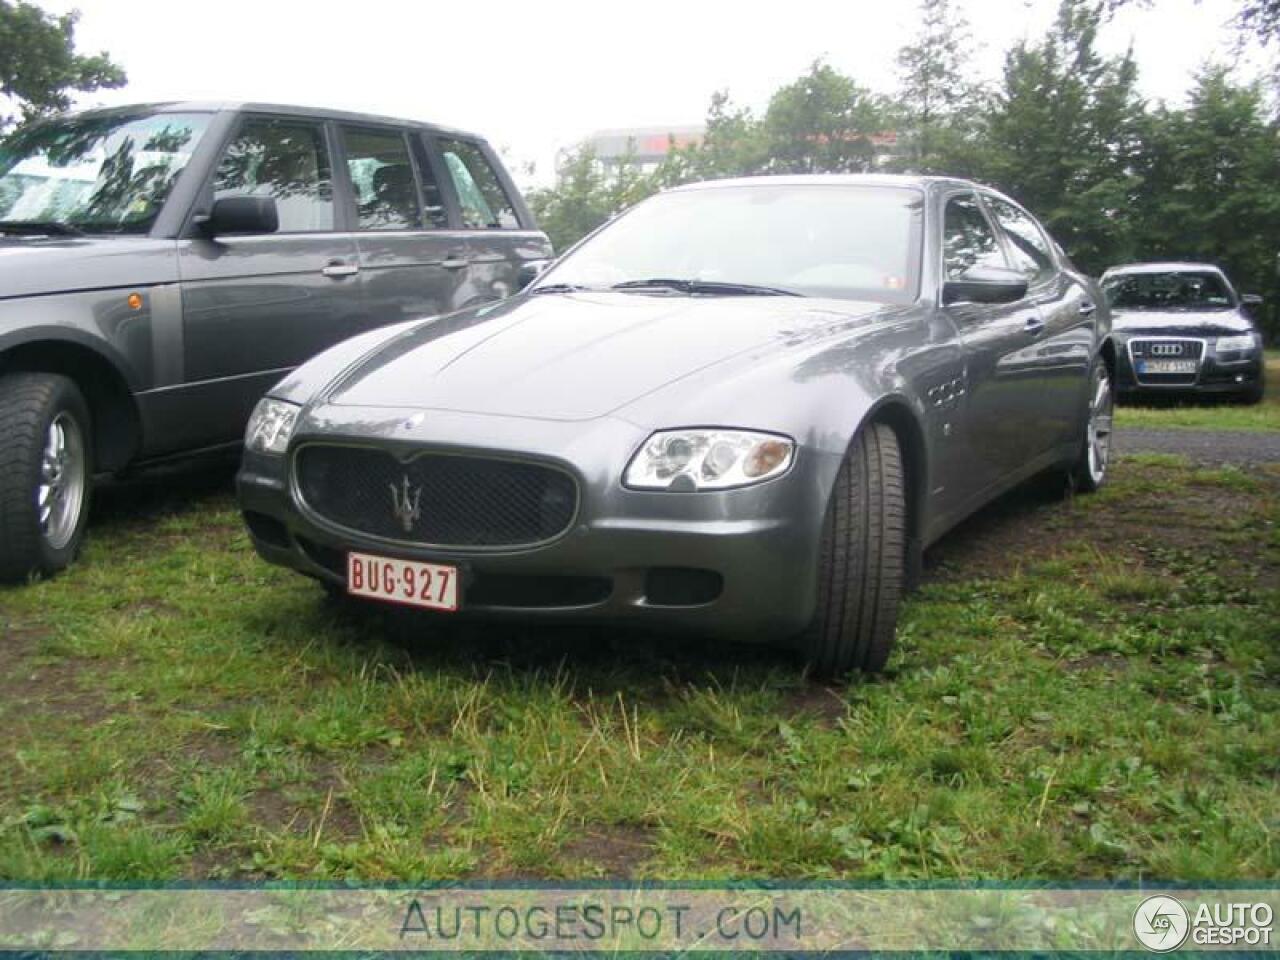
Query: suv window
968, 239
483, 201
286, 160
382, 176
1027, 244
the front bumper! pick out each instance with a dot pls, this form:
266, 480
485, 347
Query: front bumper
736, 563
1237, 373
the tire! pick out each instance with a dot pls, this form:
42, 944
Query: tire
44, 494
861, 559
1089, 471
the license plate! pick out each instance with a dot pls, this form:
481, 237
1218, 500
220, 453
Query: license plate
1166, 366
430, 585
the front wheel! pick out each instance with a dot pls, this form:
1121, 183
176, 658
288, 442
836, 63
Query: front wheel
861, 559
1089, 472
46, 471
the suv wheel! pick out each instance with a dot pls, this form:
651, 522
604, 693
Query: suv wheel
46, 472
861, 559
1090, 469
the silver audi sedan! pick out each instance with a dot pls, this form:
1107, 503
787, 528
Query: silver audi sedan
743, 408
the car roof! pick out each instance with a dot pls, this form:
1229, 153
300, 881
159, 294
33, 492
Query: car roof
220, 106
1163, 266
916, 181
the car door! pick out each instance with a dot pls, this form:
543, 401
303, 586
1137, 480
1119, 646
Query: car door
255, 306
998, 406
497, 232
1059, 357
410, 264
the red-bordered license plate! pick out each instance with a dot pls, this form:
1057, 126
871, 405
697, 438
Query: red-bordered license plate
430, 585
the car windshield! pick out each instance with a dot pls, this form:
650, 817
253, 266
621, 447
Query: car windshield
848, 242
99, 174
1174, 290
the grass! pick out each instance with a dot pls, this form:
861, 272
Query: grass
1085, 689
1209, 414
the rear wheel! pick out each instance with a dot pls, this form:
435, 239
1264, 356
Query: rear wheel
46, 471
861, 559
1089, 472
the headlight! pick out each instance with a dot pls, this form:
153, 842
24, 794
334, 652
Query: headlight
688, 460
1235, 344
271, 426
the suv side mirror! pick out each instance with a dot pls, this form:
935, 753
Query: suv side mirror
1251, 301
241, 215
530, 271
986, 285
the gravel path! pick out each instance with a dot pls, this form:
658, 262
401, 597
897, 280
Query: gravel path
1210, 446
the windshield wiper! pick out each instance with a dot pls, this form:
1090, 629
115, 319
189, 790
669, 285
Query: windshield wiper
558, 288
39, 228
705, 287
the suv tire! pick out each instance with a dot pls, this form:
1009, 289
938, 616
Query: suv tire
861, 559
46, 473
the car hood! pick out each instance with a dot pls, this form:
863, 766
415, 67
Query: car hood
1179, 322
31, 266
581, 356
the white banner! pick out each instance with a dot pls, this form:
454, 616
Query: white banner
651, 919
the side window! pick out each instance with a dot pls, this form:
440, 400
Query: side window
382, 177
967, 238
1027, 244
483, 201
286, 160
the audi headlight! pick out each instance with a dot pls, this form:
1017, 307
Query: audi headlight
271, 425
688, 460
1235, 344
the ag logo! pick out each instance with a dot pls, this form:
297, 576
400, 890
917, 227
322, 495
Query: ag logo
1161, 923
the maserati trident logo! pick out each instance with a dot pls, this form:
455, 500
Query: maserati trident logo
405, 504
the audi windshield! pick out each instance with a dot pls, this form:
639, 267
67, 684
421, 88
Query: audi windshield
94, 174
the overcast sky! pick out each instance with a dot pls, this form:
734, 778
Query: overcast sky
534, 77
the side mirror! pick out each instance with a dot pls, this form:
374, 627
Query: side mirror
530, 271
986, 285
241, 215
1251, 301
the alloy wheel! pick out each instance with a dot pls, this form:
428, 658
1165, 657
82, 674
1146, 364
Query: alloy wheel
60, 492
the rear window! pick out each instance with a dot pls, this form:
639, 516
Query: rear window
484, 204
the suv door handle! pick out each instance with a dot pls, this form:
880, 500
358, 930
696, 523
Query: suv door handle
336, 269
1035, 324
454, 262
1087, 308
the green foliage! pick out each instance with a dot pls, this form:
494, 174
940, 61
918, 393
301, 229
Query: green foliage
39, 66
822, 123
1065, 131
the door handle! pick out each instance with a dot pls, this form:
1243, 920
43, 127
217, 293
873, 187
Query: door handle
340, 268
1035, 325
454, 263
1087, 308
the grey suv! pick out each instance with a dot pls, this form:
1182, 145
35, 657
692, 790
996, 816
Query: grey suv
161, 266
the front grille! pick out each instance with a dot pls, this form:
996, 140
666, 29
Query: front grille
1166, 348
435, 499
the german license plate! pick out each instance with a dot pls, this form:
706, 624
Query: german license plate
430, 585
1166, 366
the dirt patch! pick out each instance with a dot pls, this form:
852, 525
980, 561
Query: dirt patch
822, 703
1035, 522
616, 851
52, 685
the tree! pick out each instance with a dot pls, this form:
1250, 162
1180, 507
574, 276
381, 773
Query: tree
585, 195
1212, 175
823, 123
39, 67
938, 102
1065, 135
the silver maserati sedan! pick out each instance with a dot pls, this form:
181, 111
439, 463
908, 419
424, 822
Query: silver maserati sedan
742, 408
